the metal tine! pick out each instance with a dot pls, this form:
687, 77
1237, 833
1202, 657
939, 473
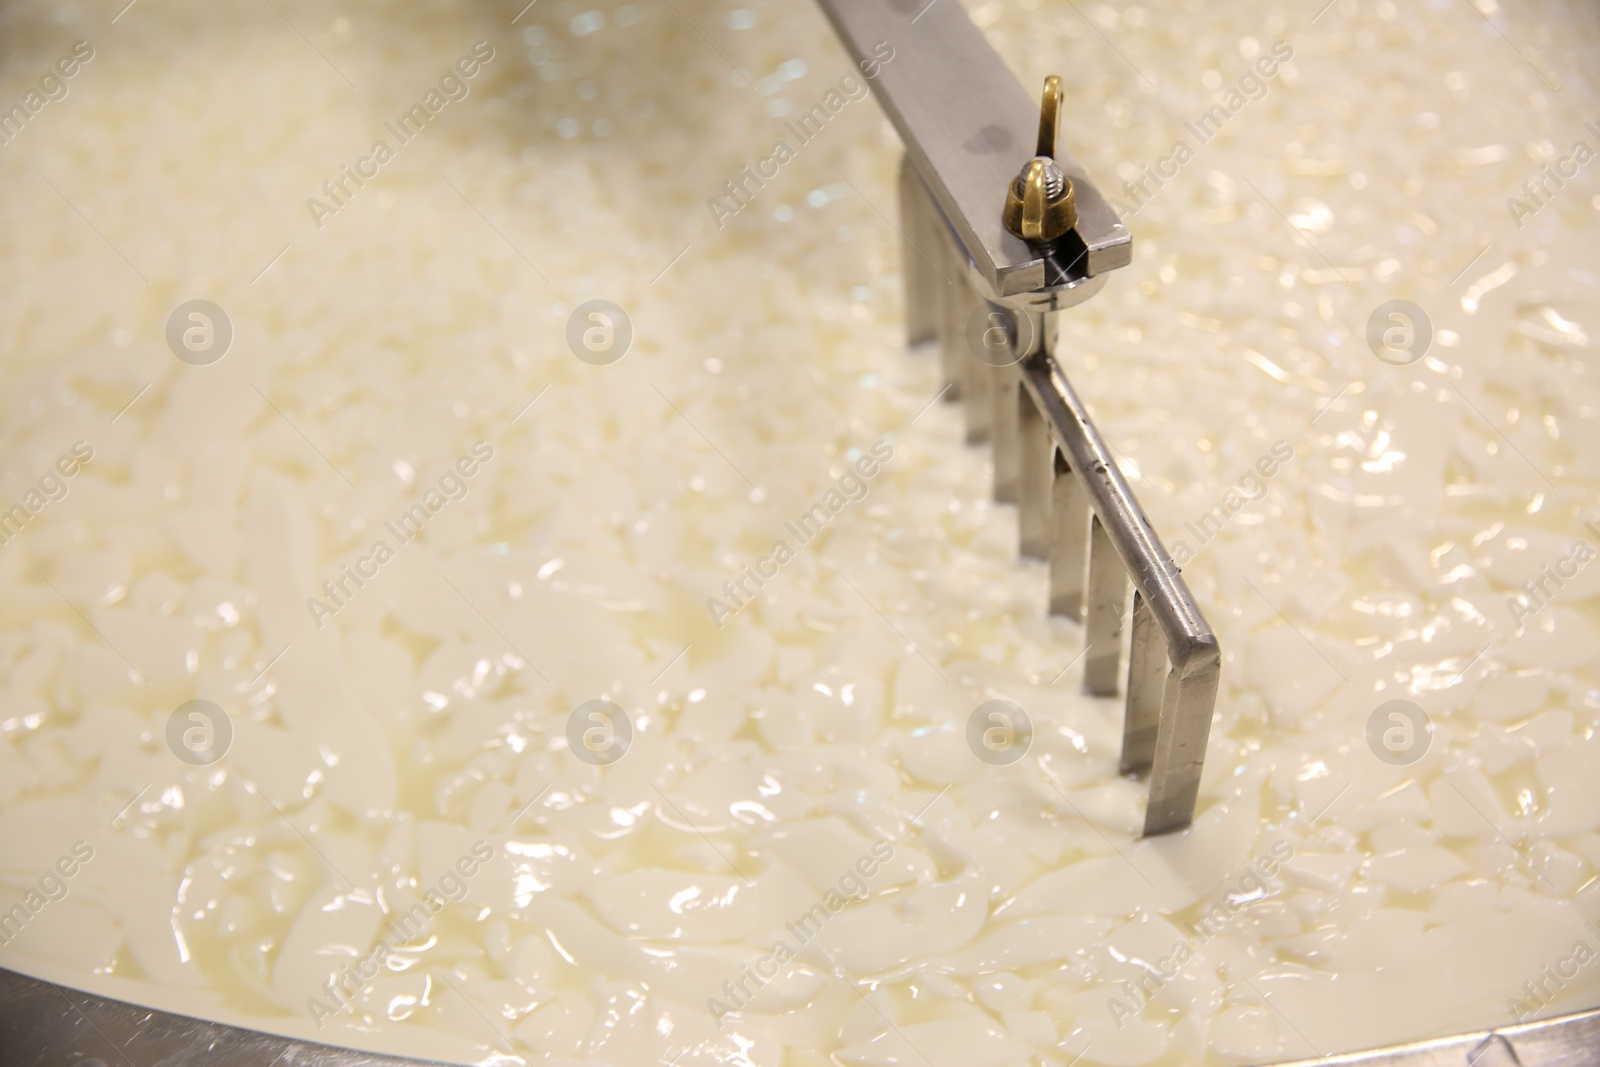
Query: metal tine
1187, 704
979, 376
1004, 434
1069, 540
1035, 446
953, 302
1108, 605
922, 282
1026, 335
1147, 682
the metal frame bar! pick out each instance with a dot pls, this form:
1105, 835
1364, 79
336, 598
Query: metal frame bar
967, 125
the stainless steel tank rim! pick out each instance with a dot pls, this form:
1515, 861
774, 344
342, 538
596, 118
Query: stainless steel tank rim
1564, 1041
43, 1024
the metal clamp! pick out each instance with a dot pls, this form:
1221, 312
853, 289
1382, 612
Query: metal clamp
970, 193
968, 126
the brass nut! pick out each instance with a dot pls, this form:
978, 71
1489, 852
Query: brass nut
1039, 202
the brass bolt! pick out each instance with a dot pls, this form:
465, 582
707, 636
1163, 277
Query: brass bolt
1039, 203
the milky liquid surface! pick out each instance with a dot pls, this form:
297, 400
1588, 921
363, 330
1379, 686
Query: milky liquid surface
798, 859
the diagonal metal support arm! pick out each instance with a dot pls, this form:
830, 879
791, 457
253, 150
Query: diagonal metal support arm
1168, 716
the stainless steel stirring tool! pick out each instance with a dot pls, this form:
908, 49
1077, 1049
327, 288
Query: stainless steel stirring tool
998, 241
